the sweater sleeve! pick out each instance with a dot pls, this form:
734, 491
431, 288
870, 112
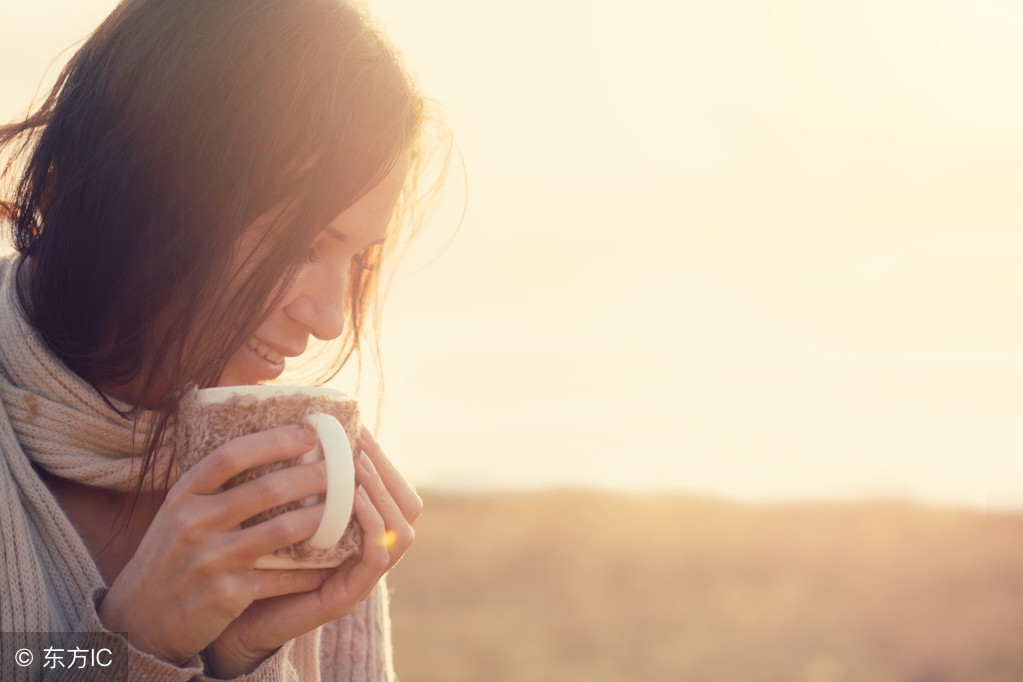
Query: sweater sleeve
94, 654
357, 648
276, 668
128, 663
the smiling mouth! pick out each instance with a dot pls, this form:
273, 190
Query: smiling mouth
268, 354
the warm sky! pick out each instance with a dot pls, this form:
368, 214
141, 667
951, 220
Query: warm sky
767, 250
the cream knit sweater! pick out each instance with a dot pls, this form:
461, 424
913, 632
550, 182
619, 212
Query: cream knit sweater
51, 419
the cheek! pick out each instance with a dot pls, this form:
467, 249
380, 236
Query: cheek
234, 372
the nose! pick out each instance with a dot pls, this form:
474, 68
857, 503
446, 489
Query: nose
319, 300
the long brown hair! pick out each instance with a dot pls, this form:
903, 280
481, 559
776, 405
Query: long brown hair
172, 129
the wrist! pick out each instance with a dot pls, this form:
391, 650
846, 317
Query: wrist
115, 620
223, 665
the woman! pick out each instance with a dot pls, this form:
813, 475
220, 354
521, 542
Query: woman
209, 185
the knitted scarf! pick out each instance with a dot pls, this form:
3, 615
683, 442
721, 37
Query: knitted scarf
54, 420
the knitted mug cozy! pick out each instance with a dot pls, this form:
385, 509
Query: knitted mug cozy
202, 428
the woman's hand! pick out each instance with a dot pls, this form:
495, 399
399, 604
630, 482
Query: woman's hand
386, 506
192, 574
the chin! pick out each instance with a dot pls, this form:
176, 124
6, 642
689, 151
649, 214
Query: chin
233, 377
236, 380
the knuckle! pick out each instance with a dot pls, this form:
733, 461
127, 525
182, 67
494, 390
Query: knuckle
416, 506
279, 531
284, 530
316, 474
208, 564
279, 582
183, 521
279, 438
284, 581
231, 596
285, 439
269, 489
226, 460
188, 532
404, 538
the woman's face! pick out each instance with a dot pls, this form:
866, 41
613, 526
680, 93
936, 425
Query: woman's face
314, 305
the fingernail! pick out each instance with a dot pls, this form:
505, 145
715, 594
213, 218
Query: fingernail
367, 464
307, 435
365, 435
363, 494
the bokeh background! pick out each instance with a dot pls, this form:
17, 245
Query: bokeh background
710, 363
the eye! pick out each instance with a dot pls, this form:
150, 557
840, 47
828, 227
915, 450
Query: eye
366, 259
313, 254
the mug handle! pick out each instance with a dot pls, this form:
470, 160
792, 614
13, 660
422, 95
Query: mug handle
340, 496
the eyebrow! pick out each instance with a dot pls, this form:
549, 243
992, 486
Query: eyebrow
342, 237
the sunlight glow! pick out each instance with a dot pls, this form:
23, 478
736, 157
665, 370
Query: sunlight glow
762, 250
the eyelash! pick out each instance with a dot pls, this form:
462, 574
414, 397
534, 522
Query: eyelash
312, 256
360, 260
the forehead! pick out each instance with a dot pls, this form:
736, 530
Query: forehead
367, 219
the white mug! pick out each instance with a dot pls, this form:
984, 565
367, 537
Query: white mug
333, 446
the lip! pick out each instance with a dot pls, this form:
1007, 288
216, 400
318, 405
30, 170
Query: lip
261, 368
287, 351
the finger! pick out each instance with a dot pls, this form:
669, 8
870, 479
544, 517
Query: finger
370, 482
399, 534
245, 452
271, 490
350, 584
403, 492
248, 544
274, 583
345, 589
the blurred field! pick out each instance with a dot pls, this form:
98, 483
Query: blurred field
574, 586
